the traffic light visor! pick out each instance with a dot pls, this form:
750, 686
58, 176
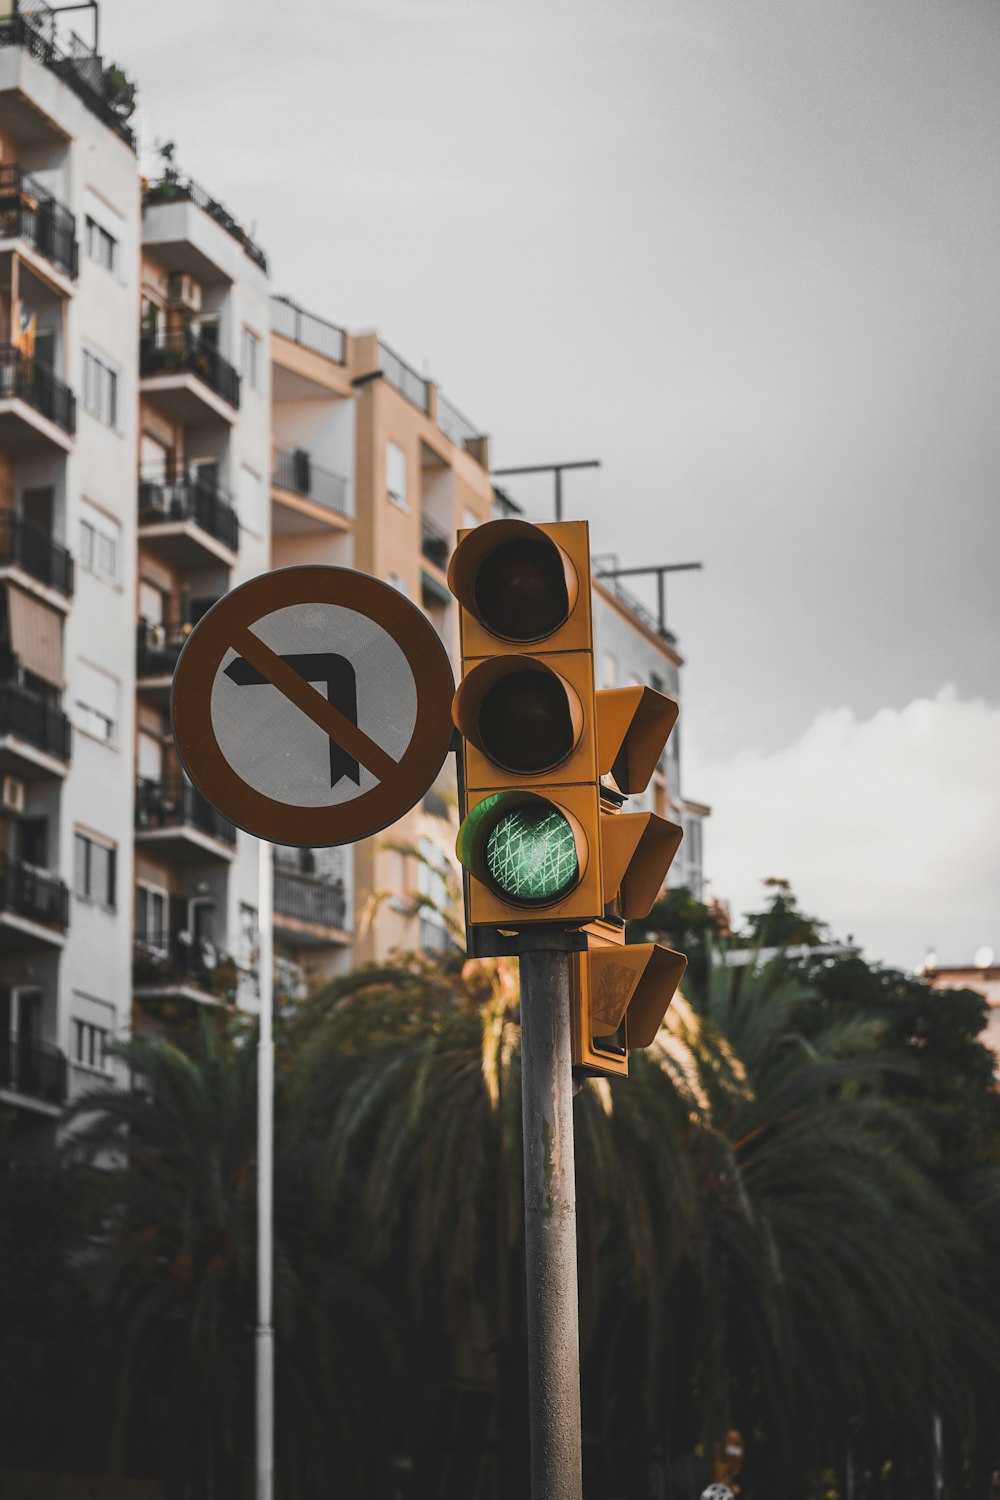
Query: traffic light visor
520, 713
518, 582
633, 725
525, 848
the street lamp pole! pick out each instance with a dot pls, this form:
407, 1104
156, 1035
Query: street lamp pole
264, 1337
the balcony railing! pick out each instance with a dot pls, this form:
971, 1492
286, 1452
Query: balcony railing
35, 894
173, 188
35, 1069
29, 212
293, 322
25, 378
182, 960
157, 648
296, 472
181, 352
435, 543
28, 717
32, 549
310, 900
177, 804
77, 72
453, 424
188, 498
403, 378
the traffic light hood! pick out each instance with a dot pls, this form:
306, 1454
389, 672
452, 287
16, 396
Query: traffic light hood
521, 584
633, 725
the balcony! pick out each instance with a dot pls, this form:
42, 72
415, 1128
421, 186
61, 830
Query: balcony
436, 544
309, 912
37, 412
30, 551
172, 188
175, 819
34, 906
34, 1072
296, 475
290, 321
183, 967
35, 736
79, 70
187, 377
29, 213
403, 378
156, 653
188, 521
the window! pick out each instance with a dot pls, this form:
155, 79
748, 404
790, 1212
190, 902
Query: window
252, 501
100, 389
90, 1046
249, 356
96, 698
102, 247
151, 917
248, 936
400, 584
395, 475
94, 869
432, 887
99, 545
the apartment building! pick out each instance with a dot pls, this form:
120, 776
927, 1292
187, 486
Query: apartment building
169, 429
69, 327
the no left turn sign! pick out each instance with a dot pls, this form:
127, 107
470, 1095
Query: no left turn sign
312, 705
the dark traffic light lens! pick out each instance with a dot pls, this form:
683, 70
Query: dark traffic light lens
530, 855
525, 724
520, 589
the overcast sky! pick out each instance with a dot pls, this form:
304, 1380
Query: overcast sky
744, 253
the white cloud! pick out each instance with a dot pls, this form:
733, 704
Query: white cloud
888, 828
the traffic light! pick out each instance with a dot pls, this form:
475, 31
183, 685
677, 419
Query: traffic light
530, 832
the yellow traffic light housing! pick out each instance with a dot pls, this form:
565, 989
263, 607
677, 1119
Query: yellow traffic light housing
531, 823
621, 992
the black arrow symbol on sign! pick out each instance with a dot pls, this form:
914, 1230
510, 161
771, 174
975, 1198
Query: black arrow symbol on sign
341, 691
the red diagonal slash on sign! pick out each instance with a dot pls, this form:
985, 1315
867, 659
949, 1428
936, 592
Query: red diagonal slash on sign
312, 703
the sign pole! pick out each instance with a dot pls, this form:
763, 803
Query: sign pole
550, 1226
264, 1338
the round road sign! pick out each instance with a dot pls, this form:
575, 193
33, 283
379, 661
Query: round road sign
312, 705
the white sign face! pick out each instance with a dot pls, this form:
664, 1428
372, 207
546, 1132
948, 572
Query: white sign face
312, 705
273, 746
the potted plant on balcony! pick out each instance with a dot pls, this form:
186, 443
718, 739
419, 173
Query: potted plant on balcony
119, 91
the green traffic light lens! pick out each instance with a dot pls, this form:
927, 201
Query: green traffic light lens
530, 855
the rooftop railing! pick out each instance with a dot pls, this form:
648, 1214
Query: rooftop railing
293, 322
35, 1069
172, 188
182, 352
178, 804
297, 472
34, 894
403, 378
77, 71
24, 378
26, 716
454, 425
33, 550
188, 498
29, 212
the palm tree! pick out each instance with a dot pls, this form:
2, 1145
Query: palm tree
174, 1266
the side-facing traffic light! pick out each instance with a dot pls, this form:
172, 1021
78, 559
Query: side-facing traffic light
530, 832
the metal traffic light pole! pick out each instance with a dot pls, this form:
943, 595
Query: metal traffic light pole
550, 1215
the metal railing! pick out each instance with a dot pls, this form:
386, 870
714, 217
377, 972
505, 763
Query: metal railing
26, 716
159, 962
173, 188
157, 648
19, 31
189, 499
293, 322
403, 378
32, 549
454, 425
296, 471
32, 893
35, 1069
435, 542
24, 378
310, 900
29, 212
178, 804
631, 603
181, 352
